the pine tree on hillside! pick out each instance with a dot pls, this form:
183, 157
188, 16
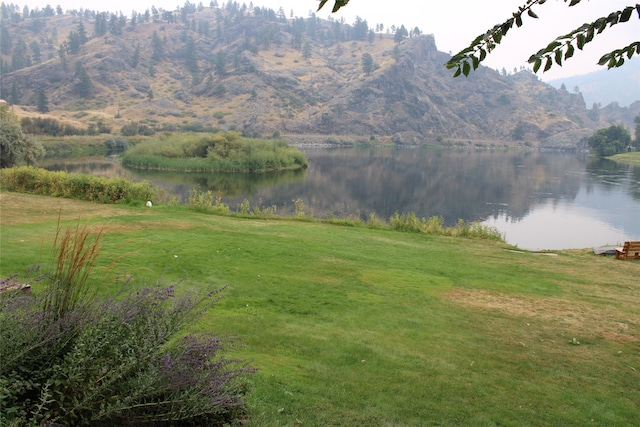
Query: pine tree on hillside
83, 85
42, 103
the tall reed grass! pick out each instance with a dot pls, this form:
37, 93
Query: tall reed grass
221, 152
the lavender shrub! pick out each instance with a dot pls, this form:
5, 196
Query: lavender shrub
113, 362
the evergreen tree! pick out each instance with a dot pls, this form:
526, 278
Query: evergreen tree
20, 57
157, 48
62, 53
82, 33
5, 39
83, 85
14, 98
219, 64
135, 58
101, 25
401, 34
306, 50
42, 103
191, 55
134, 19
360, 29
35, 48
73, 42
367, 63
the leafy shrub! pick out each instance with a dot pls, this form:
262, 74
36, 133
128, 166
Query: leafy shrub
116, 144
129, 129
74, 186
70, 358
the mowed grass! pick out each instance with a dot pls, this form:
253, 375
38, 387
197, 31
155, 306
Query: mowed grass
351, 326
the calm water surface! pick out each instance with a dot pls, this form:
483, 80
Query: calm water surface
538, 200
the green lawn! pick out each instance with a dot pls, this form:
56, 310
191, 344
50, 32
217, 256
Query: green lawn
351, 326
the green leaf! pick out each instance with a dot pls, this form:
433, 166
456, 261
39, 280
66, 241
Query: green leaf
483, 54
574, 2
475, 61
548, 65
620, 62
601, 24
322, 2
558, 57
337, 6
554, 44
626, 14
451, 64
590, 34
532, 14
569, 52
604, 59
497, 37
580, 41
519, 20
537, 65
613, 18
466, 68
458, 72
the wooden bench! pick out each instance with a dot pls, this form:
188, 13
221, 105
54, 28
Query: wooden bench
629, 250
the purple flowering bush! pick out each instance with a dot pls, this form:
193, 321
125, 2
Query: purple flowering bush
114, 362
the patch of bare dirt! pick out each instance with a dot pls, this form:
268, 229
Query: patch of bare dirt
579, 316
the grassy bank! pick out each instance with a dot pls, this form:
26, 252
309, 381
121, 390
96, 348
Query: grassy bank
630, 158
351, 326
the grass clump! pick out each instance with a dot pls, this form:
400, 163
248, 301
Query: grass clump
90, 188
220, 152
73, 359
435, 225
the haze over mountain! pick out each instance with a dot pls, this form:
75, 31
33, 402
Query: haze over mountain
620, 85
262, 72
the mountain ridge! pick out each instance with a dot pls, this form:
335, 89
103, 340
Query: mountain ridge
263, 74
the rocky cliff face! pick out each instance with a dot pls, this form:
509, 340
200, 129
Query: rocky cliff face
252, 72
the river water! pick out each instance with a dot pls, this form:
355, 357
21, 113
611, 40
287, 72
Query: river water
537, 200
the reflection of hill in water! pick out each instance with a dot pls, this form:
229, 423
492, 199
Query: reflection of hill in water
454, 184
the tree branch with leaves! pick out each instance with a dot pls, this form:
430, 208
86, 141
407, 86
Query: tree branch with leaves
559, 50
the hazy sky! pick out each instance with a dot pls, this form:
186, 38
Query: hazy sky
454, 23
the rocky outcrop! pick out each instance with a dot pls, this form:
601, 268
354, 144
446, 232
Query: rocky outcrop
271, 86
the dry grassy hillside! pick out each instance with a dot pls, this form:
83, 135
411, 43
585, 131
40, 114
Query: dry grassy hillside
259, 72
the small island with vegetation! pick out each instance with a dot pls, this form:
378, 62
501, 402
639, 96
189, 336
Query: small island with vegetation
219, 152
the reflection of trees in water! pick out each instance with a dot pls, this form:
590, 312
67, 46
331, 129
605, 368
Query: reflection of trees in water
610, 175
229, 184
454, 184
179, 184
